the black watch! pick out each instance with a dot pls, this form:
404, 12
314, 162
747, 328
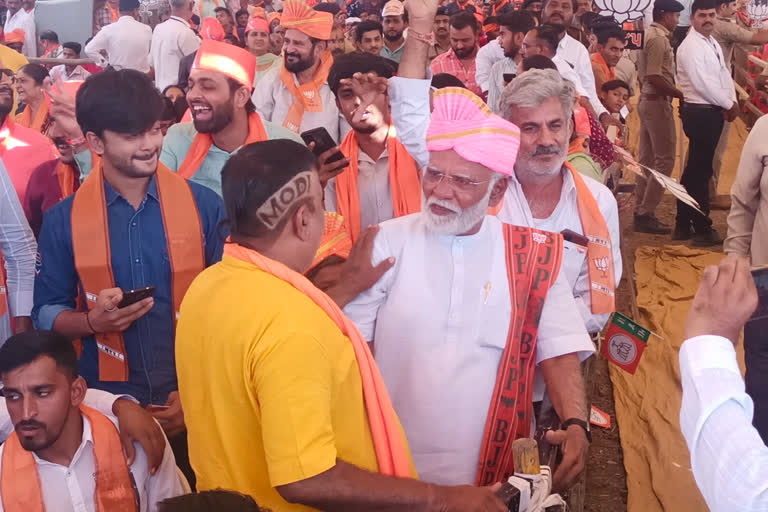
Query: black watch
576, 421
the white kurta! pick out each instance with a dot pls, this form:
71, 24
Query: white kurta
273, 101
439, 321
566, 216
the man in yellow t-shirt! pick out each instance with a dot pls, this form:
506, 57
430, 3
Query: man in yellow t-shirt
279, 390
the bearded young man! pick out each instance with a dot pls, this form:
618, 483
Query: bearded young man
297, 95
459, 61
382, 181
395, 22
610, 45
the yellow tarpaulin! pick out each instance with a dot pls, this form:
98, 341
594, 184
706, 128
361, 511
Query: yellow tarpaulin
656, 457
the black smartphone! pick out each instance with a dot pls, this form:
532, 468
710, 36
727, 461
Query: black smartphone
760, 275
508, 77
323, 142
134, 296
574, 237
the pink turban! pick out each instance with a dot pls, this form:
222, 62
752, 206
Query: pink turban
461, 121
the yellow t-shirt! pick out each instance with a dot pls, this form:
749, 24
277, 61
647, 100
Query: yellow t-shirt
12, 59
270, 386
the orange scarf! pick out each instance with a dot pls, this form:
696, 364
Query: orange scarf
388, 437
608, 72
306, 98
114, 13
93, 259
66, 175
403, 180
335, 240
599, 254
41, 116
533, 261
21, 489
493, 27
203, 142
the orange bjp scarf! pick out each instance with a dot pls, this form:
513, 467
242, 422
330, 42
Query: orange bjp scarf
25, 118
609, 73
21, 488
403, 180
93, 258
306, 97
599, 253
389, 440
203, 141
114, 13
66, 176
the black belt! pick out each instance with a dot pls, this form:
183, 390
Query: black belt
702, 106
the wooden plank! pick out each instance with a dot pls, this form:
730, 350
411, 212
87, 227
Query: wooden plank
47, 61
759, 62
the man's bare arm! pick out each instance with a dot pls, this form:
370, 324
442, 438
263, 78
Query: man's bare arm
347, 488
413, 63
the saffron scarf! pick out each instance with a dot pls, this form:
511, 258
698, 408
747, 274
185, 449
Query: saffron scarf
602, 288
66, 176
493, 27
21, 488
203, 141
533, 261
388, 436
403, 181
306, 97
93, 259
608, 72
335, 240
41, 116
114, 14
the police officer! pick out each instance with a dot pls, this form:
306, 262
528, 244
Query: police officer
656, 70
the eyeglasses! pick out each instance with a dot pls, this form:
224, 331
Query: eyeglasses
433, 177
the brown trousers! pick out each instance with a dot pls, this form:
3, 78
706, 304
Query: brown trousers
658, 139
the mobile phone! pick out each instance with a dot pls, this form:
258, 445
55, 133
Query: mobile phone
508, 77
760, 275
575, 238
323, 142
134, 296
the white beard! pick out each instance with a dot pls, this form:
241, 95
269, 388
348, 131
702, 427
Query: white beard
459, 222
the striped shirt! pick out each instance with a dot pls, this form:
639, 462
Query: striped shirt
449, 63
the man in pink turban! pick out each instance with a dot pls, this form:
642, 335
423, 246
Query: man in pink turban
471, 307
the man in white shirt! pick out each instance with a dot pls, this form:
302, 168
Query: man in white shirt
512, 29
172, 40
438, 320
124, 43
728, 459
71, 50
575, 54
487, 56
309, 102
50, 460
19, 18
710, 99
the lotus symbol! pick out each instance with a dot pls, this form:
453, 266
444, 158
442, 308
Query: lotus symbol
601, 264
623, 10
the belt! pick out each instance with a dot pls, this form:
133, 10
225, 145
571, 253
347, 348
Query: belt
654, 97
702, 106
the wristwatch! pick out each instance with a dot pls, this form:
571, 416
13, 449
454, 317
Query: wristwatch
576, 421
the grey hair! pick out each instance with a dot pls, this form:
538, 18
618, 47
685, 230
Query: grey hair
534, 87
178, 4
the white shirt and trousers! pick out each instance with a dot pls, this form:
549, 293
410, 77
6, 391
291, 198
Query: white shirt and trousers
708, 89
126, 43
171, 40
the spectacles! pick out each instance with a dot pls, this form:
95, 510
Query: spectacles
434, 177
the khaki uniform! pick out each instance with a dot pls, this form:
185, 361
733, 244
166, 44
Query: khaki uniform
729, 34
658, 136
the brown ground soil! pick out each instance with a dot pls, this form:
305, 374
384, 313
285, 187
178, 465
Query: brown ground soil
606, 489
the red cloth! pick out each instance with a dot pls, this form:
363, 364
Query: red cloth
448, 63
600, 148
43, 192
23, 150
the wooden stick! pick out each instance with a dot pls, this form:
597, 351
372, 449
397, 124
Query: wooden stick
48, 61
525, 453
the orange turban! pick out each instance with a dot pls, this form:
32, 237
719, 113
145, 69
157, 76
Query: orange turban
228, 59
300, 16
257, 24
272, 17
15, 36
212, 29
259, 12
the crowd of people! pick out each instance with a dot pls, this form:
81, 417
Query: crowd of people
333, 256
